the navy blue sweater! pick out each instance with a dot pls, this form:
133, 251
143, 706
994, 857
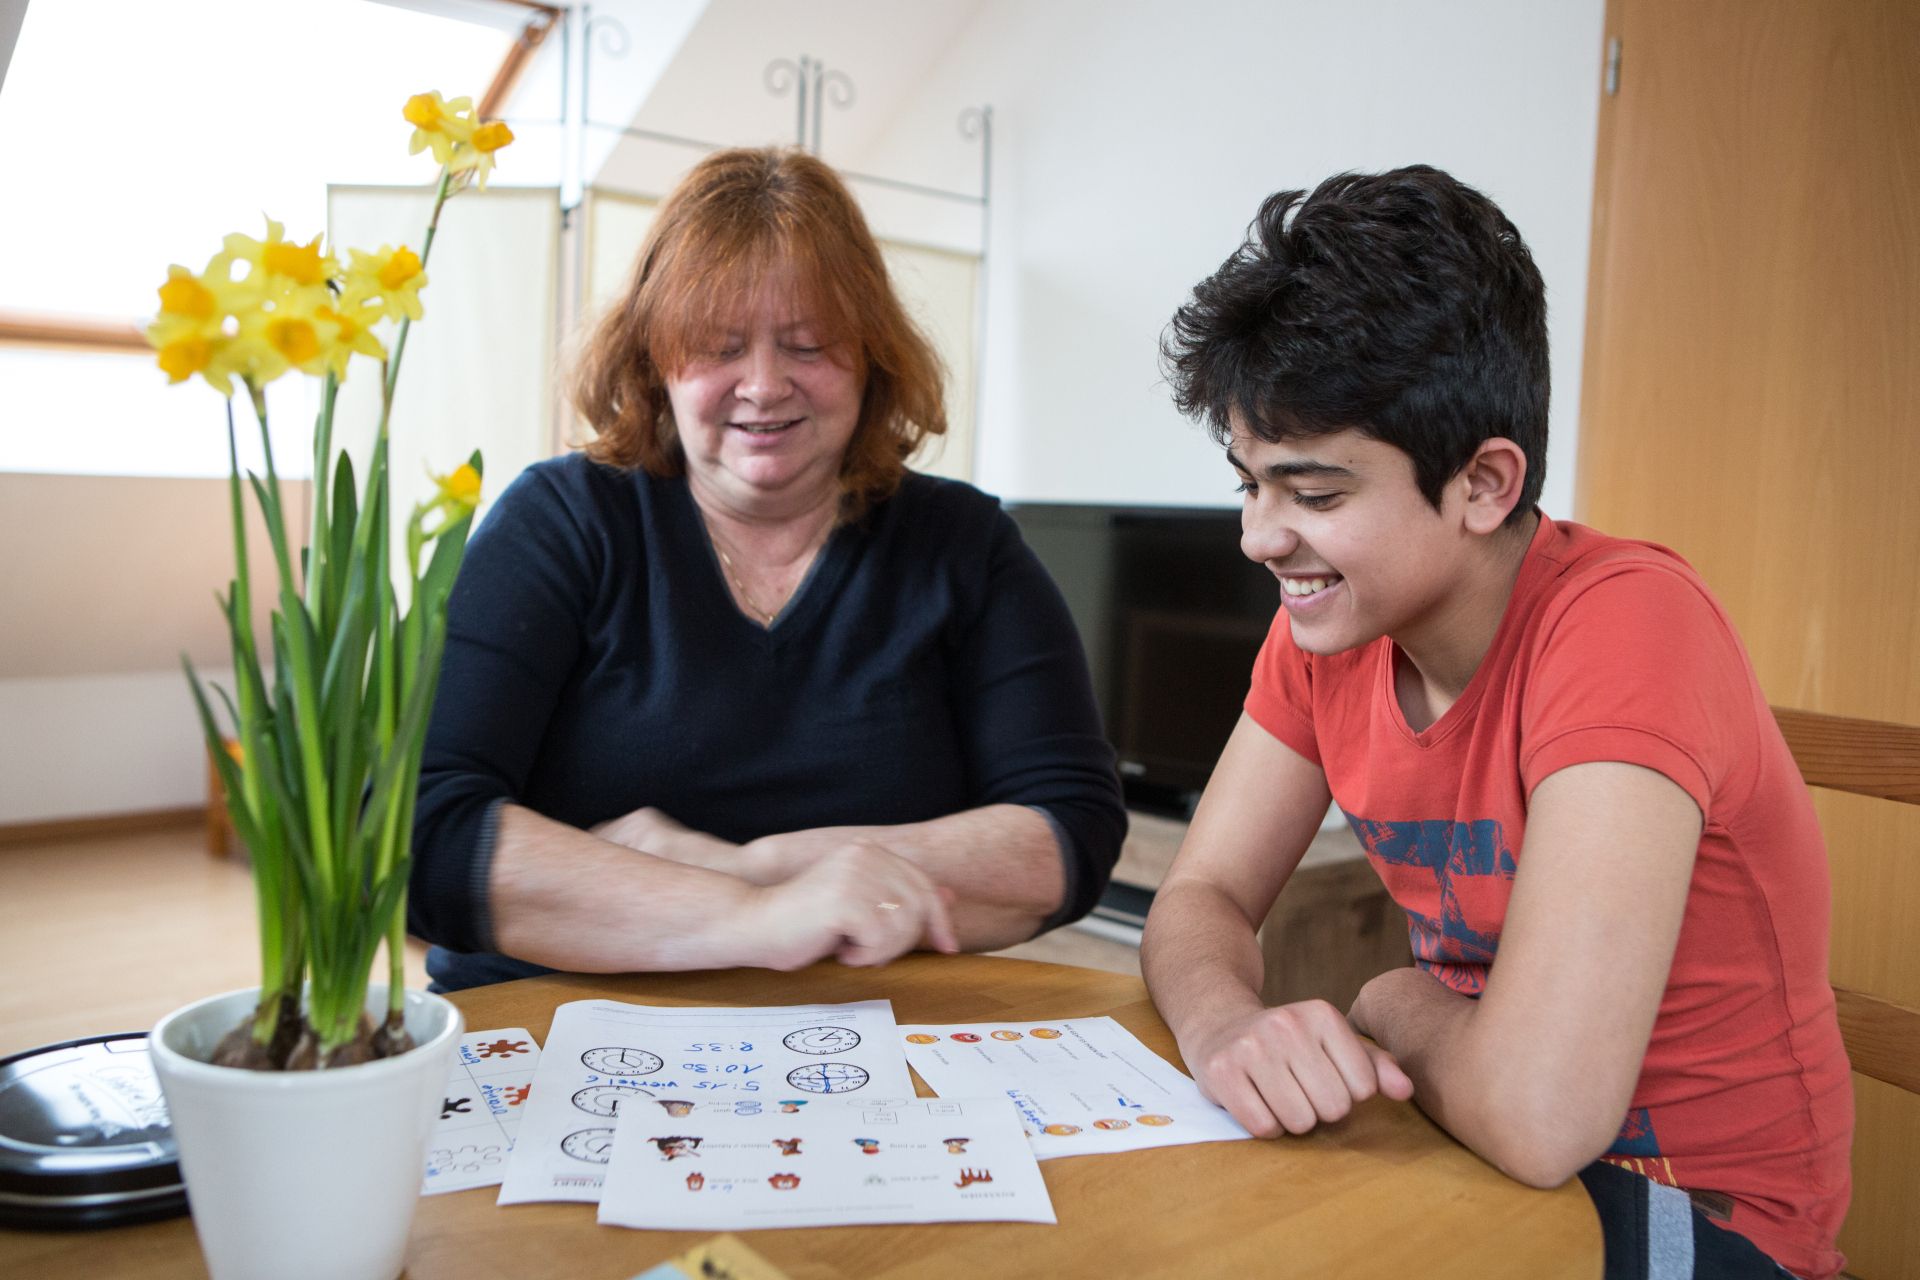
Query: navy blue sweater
596, 664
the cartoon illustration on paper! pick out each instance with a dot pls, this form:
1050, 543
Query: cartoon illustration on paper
605, 1060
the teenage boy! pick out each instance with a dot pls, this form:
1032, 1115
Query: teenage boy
1550, 742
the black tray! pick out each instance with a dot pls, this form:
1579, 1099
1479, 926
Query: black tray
84, 1137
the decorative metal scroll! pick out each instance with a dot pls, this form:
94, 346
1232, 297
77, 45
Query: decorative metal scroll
814, 87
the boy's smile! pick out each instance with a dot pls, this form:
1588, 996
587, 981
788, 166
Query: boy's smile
1338, 522
1360, 553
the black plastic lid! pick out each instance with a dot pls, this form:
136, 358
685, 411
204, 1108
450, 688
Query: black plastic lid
84, 1137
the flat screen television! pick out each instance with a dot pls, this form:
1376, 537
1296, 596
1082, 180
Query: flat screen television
1172, 616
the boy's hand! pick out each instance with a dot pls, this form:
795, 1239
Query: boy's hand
1291, 1067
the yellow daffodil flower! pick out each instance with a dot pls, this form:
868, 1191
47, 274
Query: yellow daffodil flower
438, 124
477, 154
344, 331
391, 279
459, 489
184, 295
189, 332
293, 327
276, 261
456, 494
184, 356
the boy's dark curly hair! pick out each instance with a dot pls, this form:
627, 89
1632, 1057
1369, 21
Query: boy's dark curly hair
1403, 305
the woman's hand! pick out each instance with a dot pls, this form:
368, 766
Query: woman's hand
857, 902
651, 831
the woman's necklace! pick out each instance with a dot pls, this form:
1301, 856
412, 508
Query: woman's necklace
746, 597
766, 616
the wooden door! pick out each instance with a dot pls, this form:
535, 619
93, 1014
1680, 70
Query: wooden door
1752, 399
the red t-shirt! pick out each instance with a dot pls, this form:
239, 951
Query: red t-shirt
1614, 650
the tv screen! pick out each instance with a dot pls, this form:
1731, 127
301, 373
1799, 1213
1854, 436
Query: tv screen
1172, 616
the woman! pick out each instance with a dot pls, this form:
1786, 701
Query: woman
735, 687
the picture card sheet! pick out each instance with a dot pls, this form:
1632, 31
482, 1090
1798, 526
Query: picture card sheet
841, 1163
487, 1090
1081, 1086
603, 1057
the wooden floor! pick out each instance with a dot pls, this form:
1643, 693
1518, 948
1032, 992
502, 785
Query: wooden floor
108, 933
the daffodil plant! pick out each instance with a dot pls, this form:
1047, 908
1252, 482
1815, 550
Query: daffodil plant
321, 757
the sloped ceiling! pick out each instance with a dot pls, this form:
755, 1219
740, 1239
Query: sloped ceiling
12, 14
714, 87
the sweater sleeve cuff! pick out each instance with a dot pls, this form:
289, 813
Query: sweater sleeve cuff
1071, 871
480, 876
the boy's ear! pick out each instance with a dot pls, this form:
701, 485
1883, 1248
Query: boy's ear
1493, 478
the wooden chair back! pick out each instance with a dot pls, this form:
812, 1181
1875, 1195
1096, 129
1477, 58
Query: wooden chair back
1868, 758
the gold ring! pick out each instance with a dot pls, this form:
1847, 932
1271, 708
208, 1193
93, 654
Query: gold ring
887, 906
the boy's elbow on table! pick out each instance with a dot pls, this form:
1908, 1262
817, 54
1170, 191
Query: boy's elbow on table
1542, 1140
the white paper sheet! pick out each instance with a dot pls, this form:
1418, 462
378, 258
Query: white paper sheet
1081, 1086
840, 1163
486, 1090
603, 1056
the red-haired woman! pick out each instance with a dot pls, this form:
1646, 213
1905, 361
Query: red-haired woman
735, 687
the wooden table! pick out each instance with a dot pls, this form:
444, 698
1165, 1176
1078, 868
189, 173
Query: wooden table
1384, 1193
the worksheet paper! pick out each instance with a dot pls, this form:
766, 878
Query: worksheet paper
1081, 1086
603, 1057
480, 1112
837, 1164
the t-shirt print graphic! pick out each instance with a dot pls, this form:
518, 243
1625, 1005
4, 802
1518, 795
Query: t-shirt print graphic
1452, 917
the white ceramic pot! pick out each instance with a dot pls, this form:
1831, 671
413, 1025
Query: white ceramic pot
297, 1174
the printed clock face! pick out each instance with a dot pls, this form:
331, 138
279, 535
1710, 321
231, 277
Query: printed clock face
828, 1077
822, 1040
595, 1146
606, 1099
621, 1062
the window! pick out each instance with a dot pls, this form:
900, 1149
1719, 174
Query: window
136, 133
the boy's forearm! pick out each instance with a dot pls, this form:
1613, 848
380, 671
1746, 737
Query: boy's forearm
1488, 1099
1423, 1024
1200, 958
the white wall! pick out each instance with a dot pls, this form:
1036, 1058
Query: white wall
1135, 140
79, 746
